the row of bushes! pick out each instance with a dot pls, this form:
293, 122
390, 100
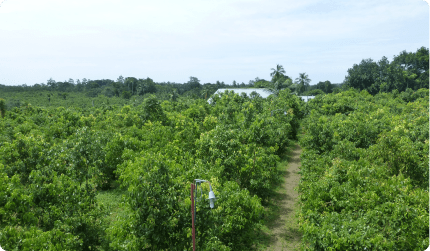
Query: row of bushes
54, 162
364, 175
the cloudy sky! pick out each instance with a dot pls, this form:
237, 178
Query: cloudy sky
225, 40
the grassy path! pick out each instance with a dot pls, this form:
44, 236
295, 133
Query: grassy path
282, 226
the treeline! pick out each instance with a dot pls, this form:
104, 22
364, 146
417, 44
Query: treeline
128, 87
407, 70
106, 92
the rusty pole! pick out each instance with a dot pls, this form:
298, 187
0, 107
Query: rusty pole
193, 231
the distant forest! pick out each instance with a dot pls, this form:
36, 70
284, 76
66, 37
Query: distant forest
408, 70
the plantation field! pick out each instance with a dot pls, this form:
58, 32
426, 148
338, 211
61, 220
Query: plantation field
365, 172
117, 177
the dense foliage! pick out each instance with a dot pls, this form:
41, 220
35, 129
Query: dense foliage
54, 162
365, 172
407, 70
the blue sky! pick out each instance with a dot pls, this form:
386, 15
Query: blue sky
212, 40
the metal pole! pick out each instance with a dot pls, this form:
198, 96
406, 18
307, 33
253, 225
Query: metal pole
193, 231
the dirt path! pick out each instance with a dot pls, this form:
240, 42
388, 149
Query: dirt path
284, 227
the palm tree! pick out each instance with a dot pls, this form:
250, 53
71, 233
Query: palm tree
277, 73
205, 92
141, 88
303, 82
131, 83
174, 95
279, 80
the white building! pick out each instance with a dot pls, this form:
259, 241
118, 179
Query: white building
306, 98
264, 93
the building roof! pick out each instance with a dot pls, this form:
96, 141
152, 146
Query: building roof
263, 92
306, 98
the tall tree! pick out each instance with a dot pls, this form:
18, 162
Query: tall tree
407, 70
415, 66
383, 64
79, 86
150, 86
174, 95
277, 73
141, 87
51, 83
363, 76
192, 83
85, 81
206, 91
131, 83
120, 79
145, 86
325, 86
303, 82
